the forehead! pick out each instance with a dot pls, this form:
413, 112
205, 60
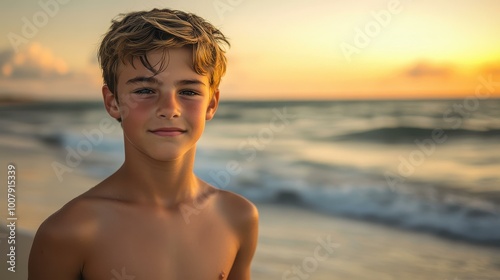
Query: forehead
174, 63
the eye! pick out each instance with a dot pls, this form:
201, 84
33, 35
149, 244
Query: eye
144, 91
188, 93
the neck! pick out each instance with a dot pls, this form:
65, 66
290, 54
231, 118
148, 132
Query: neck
162, 183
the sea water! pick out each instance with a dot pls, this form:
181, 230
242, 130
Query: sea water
429, 165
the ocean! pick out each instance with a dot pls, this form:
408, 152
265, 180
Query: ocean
404, 189
428, 166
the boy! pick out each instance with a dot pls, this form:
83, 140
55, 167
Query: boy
161, 71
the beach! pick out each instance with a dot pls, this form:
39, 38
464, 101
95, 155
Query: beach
318, 219
289, 236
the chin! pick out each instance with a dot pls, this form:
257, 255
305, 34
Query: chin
166, 155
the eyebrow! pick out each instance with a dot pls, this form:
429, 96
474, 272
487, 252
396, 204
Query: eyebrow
143, 79
153, 80
189, 82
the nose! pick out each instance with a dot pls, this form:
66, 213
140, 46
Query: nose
168, 107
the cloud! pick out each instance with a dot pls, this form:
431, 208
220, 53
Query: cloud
423, 69
35, 72
34, 62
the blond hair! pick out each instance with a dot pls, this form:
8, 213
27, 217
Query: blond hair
135, 34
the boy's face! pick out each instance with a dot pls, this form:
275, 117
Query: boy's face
163, 116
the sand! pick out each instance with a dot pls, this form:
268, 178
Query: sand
289, 236
38, 194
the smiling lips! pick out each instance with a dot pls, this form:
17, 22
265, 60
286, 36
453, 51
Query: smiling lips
168, 131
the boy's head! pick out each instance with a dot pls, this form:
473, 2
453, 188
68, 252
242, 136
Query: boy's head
136, 34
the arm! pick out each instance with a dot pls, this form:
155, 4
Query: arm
55, 253
248, 228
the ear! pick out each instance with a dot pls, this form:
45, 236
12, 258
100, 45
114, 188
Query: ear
212, 106
110, 102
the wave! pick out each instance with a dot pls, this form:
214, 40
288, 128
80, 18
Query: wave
406, 134
285, 175
448, 215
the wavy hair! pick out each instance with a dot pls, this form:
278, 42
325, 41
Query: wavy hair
135, 34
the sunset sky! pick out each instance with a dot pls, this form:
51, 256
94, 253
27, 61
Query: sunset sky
292, 49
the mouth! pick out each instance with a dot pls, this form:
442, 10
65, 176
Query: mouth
168, 131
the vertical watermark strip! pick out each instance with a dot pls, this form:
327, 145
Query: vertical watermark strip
11, 218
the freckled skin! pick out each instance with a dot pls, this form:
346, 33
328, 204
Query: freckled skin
153, 218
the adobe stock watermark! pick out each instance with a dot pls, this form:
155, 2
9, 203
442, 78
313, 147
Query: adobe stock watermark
363, 37
75, 155
92, 138
249, 148
456, 278
310, 264
31, 26
455, 116
122, 275
223, 6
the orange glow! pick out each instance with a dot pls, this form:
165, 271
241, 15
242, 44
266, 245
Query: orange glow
296, 50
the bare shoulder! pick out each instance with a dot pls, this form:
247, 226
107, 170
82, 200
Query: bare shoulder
243, 216
73, 223
239, 211
58, 250
70, 220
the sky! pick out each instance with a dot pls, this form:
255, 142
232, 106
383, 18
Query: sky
294, 49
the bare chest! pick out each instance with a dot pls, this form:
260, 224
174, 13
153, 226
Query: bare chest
152, 248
